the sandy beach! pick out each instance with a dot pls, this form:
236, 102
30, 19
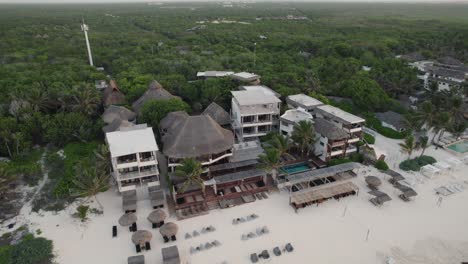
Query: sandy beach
350, 230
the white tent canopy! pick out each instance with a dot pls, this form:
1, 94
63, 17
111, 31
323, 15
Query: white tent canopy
443, 166
454, 161
429, 171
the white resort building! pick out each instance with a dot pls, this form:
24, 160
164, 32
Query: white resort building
254, 113
291, 117
133, 155
303, 101
246, 77
348, 122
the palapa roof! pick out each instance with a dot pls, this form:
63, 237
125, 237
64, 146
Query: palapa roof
449, 61
112, 94
314, 194
311, 175
127, 219
373, 181
392, 118
155, 91
117, 112
329, 130
169, 229
141, 236
116, 125
185, 136
218, 114
157, 216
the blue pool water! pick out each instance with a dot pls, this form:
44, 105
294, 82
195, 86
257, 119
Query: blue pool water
461, 147
296, 168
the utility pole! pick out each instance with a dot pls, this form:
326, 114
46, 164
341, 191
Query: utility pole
255, 51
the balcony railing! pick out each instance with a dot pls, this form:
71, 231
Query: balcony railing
137, 174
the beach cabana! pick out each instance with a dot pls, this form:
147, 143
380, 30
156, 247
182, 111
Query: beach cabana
127, 219
112, 95
380, 197
407, 192
170, 255
141, 237
442, 166
373, 182
169, 230
454, 162
429, 171
136, 259
396, 177
157, 218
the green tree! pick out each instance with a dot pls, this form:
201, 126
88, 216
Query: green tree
366, 93
281, 143
191, 171
89, 181
270, 161
423, 143
153, 111
409, 145
304, 136
84, 99
6, 177
32, 251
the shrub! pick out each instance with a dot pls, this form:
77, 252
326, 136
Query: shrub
82, 212
32, 251
416, 163
369, 139
381, 165
375, 124
5, 254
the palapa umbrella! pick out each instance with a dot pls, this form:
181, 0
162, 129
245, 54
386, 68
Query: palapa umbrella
157, 216
127, 219
168, 229
373, 181
141, 237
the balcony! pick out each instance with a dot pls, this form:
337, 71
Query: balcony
129, 164
353, 140
351, 149
138, 174
336, 152
337, 143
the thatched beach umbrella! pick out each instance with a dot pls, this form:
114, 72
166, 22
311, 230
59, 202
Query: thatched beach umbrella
169, 229
157, 216
141, 237
127, 219
373, 181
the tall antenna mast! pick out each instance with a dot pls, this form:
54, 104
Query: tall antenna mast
85, 29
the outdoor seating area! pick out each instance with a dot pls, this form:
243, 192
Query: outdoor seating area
406, 192
157, 217
141, 239
430, 171
204, 246
264, 254
241, 220
169, 231
257, 233
380, 198
129, 201
204, 230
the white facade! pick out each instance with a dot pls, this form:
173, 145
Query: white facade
133, 155
254, 114
291, 117
303, 101
347, 121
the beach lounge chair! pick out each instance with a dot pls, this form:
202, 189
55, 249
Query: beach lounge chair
254, 257
138, 248
265, 254
208, 245
277, 251
244, 237
195, 233
114, 231
147, 246
216, 243
265, 230
188, 236
173, 238
264, 195
289, 247
259, 231
192, 250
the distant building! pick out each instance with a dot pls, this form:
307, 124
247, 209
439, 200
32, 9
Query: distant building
260, 88
155, 91
100, 84
332, 141
246, 77
254, 114
303, 101
348, 122
133, 155
213, 74
292, 117
392, 120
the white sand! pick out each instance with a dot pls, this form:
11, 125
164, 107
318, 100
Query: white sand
335, 232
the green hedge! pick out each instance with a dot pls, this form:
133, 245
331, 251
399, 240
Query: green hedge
369, 139
30, 250
355, 157
381, 165
416, 163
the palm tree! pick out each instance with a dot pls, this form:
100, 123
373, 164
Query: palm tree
102, 155
457, 128
409, 145
281, 143
38, 99
423, 143
441, 122
304, 135
270, 161
6, 177
426, 115
191, 170
85, 100
89, 181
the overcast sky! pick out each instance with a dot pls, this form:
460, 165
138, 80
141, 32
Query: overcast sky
113, 1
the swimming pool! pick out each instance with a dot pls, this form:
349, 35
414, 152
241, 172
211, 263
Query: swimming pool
296, 168
460, 147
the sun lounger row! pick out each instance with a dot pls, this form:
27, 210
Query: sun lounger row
204, 230
258, 232
205, 246
241, 220
254, 257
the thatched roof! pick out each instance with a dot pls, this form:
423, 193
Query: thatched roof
169, 229
117, 124
141, 237
127, 219
185, 136
113, 112
412, 57
112, 94
329, 130
155, 92
157, 216
218, 114
373, 181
